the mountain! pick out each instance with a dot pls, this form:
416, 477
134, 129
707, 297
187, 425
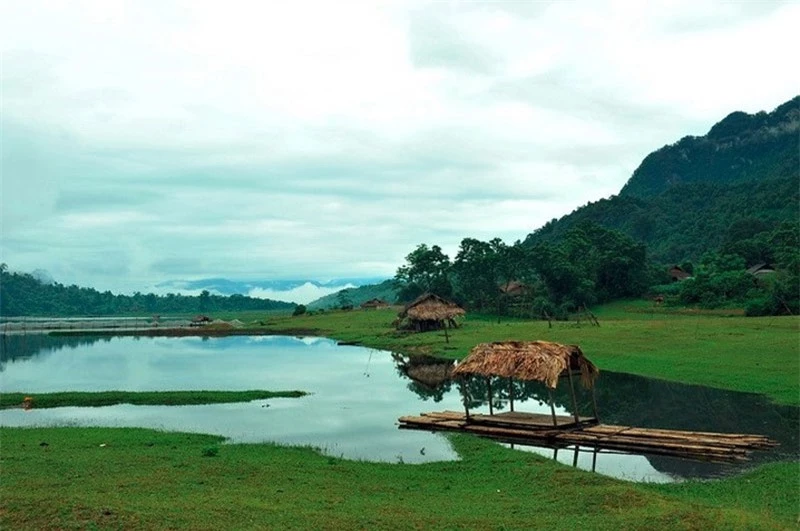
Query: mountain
740, 179
298, 291
385, 290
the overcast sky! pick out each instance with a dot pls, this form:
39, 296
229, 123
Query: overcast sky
145, 141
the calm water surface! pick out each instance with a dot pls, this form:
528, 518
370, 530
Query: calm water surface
358, 394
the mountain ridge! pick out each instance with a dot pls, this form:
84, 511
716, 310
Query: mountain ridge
684, 198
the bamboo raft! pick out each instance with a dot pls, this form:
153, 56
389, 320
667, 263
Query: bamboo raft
537, 429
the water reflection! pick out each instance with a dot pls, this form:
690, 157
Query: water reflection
629, 400
358, 395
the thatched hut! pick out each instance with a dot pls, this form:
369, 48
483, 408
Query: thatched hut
514, 288
374, 304
430, 312
541, 361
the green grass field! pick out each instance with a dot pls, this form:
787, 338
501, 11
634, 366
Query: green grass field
85, 478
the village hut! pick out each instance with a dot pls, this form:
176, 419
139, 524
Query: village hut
540, 361
200, 320
761, 269
374, 304
514, 288
676, 273
430, 312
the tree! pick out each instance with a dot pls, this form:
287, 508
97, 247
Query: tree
426, 270
204, 300
343, 300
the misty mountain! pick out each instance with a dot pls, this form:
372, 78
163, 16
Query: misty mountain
298, 291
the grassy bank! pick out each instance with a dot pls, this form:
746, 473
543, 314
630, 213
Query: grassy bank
143, 479
142, 398
759, 355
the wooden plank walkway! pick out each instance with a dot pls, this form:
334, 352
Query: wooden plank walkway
529, 428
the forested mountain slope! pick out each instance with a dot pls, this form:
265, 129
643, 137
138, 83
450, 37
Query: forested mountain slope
739, 180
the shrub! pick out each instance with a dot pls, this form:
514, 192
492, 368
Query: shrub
210, 451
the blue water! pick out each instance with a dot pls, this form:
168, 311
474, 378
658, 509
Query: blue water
357, 396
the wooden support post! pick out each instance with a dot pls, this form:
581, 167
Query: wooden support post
555, 453
594, 459
489, 392
511, 392
575, 457
552, 408
574, 400
594, 405
462, 382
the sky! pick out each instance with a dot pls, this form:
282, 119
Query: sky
149, 141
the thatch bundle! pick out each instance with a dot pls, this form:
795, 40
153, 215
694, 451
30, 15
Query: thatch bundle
431, 307
527, 360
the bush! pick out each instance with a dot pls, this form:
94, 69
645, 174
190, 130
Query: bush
210, 451
300, 309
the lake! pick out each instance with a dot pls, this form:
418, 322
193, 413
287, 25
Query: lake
357, 396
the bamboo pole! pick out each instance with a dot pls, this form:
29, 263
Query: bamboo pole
594, 404
489, 392
574, 400
464, 390
552, 407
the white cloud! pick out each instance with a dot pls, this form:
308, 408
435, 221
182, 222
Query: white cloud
152, 140
301, 294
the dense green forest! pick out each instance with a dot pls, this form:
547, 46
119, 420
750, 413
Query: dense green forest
716, 205
22, 294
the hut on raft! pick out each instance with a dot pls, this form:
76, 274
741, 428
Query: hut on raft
540, 361
429, 312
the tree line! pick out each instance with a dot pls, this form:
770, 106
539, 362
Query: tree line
591, 264
22, 294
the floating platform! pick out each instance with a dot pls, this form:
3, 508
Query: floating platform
538, 430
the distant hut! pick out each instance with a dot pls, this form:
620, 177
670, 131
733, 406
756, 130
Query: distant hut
374, 304
676, 273
514, 288
430, 312
541, 361
761, 269
200, 320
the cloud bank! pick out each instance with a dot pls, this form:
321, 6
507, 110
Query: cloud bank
144, 141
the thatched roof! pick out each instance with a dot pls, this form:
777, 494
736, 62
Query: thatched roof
761, 269
514, 288
677, 273
527, 360
431, 307
375, 303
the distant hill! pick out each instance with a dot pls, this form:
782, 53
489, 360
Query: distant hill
385, 290
741, 178
298, 291
23, 294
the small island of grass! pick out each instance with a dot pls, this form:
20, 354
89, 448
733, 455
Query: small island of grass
139, 398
